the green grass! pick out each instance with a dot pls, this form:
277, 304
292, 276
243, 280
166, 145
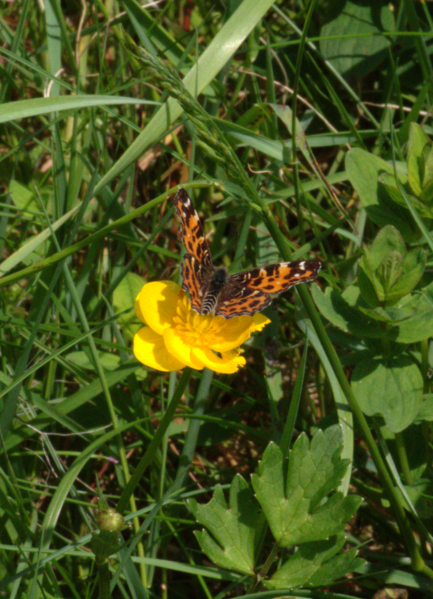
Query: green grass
101, 120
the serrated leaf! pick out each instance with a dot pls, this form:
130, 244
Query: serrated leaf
391, 387
337, 567
315, 564
295, 515
233, 529
317, 466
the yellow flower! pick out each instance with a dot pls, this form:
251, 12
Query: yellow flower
176, 336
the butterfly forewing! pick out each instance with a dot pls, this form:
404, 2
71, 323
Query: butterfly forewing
192, 230
275, 278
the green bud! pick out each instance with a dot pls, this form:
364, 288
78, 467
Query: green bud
109, 519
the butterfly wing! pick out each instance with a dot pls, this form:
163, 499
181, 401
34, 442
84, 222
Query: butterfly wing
198, 267
250, 291
192, 230
194, 280
238, 301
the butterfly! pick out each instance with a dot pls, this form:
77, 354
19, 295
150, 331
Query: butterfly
213, 290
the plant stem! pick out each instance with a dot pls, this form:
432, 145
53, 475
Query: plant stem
104, 580
402, 456
268, 563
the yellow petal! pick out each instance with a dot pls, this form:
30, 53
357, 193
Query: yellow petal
227, 364
260, 321
157, 304
137, 309
149, 349
175, 344
235, 331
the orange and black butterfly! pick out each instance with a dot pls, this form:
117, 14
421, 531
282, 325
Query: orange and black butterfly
213, 290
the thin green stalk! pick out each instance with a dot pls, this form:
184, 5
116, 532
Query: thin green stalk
294, 405
194, 426
299, 58
424, 363
268, 563
402, 456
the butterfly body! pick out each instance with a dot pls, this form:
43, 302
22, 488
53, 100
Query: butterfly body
213, 290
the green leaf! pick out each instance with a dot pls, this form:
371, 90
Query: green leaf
426, 198
124, 298
391, 387
356, 47
81, 359
23, 253
24, 199
233, 529
364, 171
420, 325
417, 141
420, 204
387, 272
343, 313
315, 564
421, 496
410, 275
294, 509
21, 109
425, 412
427, 165
350, 313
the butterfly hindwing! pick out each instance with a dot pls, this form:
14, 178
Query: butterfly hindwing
238, 301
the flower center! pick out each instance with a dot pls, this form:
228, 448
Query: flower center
196, 329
